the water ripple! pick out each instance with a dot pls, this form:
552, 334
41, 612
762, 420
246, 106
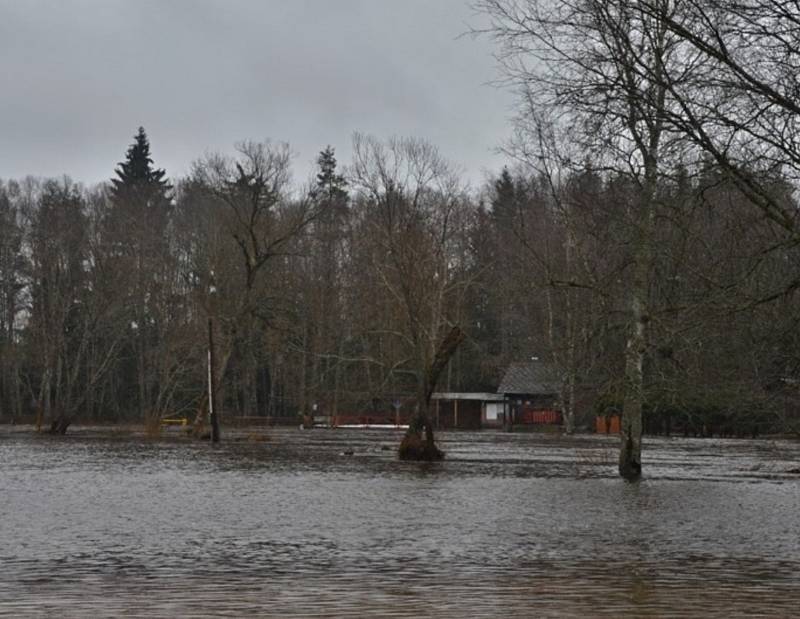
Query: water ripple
509, 525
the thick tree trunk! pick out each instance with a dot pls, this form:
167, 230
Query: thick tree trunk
568, 401
630, 453
418, 442
60, 424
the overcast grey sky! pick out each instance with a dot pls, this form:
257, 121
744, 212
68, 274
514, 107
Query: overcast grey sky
77, 77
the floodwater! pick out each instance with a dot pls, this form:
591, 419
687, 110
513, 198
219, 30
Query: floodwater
510, 525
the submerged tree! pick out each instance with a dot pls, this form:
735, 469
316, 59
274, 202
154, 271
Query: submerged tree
412, 215
576, 64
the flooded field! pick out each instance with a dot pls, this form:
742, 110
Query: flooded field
510, 525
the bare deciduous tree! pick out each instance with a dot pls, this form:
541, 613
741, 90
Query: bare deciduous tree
575, 63
249, 221
413, 212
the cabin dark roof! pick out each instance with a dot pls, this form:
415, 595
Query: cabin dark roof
532, 377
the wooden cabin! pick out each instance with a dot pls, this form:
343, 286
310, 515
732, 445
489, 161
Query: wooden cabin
531, 392
467, 411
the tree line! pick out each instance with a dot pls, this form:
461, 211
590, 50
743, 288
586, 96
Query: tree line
643, 239
341, 294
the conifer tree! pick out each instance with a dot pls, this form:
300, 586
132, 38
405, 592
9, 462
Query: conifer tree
137, 228
504, 201
140, 192
322, 315
331, 187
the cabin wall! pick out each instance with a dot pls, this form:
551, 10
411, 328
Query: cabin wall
458, 414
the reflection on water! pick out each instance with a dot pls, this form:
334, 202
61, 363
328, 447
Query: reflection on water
510, 525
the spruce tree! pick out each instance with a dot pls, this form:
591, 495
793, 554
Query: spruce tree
504, 203
331, 188
322, 327
140, 189
137, 229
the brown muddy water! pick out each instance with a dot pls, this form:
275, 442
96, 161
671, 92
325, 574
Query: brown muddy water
515, 525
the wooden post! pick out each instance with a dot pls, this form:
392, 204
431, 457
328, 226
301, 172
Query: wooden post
213, 417
455, 414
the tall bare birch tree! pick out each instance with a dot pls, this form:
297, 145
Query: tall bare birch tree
575, 64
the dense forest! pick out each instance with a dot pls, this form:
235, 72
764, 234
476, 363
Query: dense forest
336, 295
643, 239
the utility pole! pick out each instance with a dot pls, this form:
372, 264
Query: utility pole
213, 418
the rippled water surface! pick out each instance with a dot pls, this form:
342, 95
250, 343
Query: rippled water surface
510, 525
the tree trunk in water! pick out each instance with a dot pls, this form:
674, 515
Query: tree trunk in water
418, 442
60, 424
630, 453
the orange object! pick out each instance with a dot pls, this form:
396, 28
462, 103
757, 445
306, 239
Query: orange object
607, 424
539, 416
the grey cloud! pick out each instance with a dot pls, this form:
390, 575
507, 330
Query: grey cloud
79, 77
